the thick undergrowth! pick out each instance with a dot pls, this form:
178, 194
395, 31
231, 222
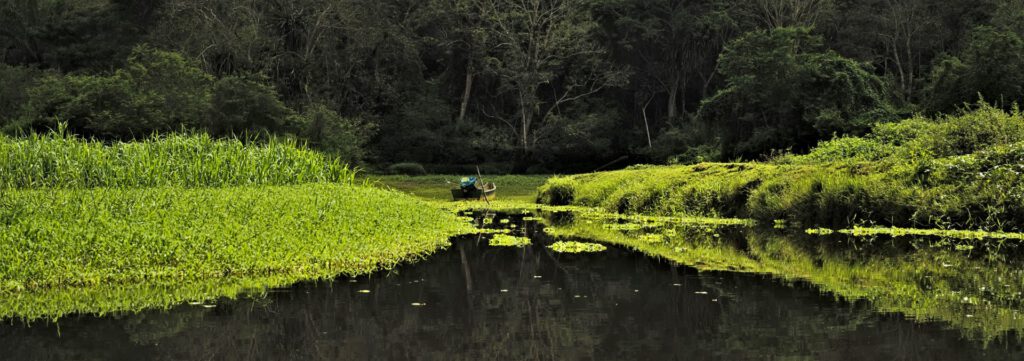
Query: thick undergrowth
954, 172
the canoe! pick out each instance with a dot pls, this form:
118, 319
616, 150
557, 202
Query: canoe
488, 192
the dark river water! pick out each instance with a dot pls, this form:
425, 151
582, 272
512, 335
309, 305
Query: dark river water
476, 302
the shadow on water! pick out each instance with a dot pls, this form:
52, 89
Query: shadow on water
477, 302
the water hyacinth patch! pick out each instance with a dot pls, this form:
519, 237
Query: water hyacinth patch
504, 240
126, 249
577, 247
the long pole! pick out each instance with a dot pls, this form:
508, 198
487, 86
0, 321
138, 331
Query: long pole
483, 186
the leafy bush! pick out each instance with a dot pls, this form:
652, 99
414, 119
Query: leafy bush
785, 90
846, 149
157, 91
558, 191
411, 169
16, 81
332, 133
244, 106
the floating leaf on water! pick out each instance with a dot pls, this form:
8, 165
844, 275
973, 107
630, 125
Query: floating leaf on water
700, 293
418, 304
504, 240
678, 284
536, 277
504, 290
819, 231
577, 247
363, 291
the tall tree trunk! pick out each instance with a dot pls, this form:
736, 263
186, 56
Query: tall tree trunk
467, 90
647, 126
673, 99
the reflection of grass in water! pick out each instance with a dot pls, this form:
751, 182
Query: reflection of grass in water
945, 233
979, 297
577, 247
64, 251
504, 240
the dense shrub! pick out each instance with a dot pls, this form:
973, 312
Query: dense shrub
558, 191
156, 91
245, 106
341, 136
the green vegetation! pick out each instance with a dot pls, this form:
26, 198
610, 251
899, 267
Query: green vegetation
951, 172
504, 240
577, 247
438, 187
58, 160
468, 81
87, 227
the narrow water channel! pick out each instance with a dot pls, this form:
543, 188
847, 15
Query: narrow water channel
477, 302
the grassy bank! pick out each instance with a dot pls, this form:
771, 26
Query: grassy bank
438, 187
953, 172
192, 219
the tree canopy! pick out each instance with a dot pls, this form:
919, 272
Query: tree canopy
539, 85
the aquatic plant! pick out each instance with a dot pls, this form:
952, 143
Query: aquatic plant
577, 247
60, 242
944, 233
504, 240
819, 231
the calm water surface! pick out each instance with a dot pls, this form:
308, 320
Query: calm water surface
476, 302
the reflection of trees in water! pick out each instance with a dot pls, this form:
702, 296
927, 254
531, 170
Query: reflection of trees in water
467, 317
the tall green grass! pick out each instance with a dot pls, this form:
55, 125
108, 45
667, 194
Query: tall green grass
58, 160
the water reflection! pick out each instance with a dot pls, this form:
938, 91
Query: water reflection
476, 302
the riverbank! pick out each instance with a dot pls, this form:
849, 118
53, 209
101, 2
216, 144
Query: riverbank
957, 172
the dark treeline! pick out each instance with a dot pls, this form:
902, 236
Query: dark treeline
524, 85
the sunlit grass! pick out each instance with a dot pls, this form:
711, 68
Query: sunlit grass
55, 239
57, 160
